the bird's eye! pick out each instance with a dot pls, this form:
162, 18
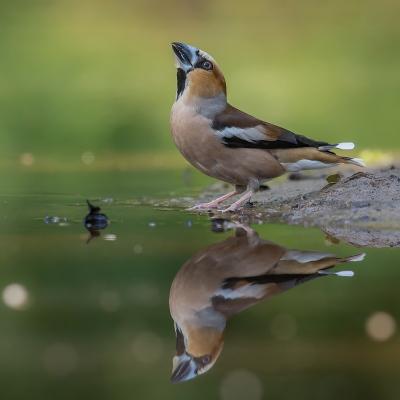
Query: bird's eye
206, 359
207, 65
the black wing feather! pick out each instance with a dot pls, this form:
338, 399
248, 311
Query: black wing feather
301, 141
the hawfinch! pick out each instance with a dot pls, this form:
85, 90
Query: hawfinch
228, 144
226, 278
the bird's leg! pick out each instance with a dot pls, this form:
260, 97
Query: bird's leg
236, 205
253, 188
215, 203
252, 235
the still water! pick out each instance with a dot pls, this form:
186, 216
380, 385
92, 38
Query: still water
86, 315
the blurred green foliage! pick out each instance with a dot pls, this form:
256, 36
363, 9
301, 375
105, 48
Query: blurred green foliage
98, 76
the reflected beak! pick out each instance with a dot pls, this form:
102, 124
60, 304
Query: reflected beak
184, 368
185, 56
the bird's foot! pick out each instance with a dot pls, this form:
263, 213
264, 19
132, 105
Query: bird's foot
213, 204
238, 204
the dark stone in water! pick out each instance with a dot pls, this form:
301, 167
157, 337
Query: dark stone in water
94, 220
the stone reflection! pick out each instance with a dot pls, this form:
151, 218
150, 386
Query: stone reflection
94, 222
365, 237
228, 277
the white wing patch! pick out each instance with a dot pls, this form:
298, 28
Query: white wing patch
250, 134
249, 290
306, 164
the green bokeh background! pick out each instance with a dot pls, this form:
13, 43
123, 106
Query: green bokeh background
98, 76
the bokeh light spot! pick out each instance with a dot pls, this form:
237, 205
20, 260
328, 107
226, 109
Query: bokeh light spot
147, 347
380, 326
110, 301
138, 249
60, 359
16, 296
283, 327
241, 384
146, 294
87, 157
27, 159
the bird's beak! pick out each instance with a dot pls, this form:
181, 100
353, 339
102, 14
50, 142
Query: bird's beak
184, 368
185, 56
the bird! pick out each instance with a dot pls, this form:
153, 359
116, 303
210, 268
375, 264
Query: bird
226, 143
227, 277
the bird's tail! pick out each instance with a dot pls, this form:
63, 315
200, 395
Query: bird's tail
344, 146
355, 258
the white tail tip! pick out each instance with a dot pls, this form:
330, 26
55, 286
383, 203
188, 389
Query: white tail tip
341, 146
358, 257
345, 146
345, 273
338, 273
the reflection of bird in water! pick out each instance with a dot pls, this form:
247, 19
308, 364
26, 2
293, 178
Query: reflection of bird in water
228, 277
94, 221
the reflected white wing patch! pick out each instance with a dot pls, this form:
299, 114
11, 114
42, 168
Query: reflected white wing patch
249, 290
250, 134
305, 256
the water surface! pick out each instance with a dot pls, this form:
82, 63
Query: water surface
93, 321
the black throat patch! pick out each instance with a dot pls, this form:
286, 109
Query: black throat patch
181, 82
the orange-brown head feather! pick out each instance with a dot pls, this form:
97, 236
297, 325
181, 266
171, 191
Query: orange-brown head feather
206, 84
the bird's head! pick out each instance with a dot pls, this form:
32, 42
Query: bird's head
196, 352
198, 73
